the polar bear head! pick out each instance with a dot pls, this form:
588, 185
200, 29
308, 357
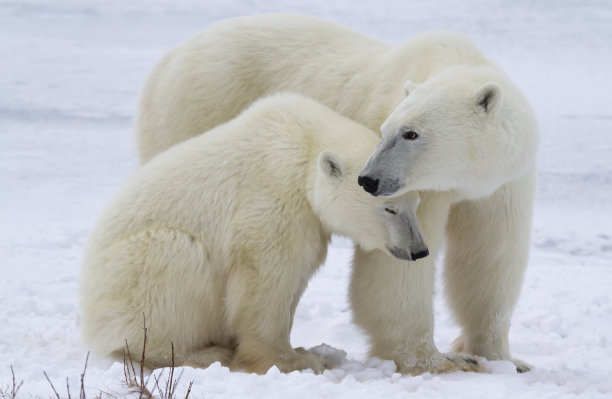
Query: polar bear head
389, 224
467, 129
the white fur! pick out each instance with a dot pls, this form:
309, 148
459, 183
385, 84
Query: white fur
475, 133
483, 162
213, 241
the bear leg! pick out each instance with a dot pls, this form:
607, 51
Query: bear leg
260, 304
392, 301
488, 247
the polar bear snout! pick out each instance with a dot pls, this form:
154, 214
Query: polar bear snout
406, 241
378, 187
369, 185
420, 254
402, 254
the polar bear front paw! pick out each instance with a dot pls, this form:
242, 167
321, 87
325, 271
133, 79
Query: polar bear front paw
301, 360
442, 363
287, 361
460, 345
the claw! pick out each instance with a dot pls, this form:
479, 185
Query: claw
521, 369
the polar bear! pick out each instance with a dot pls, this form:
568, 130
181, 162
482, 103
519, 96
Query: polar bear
480, 210
214, 241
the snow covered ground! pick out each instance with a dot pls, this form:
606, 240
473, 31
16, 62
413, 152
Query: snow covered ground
70, 74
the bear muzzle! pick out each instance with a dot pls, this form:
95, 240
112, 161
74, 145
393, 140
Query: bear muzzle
369, 185
402, 254
378, 187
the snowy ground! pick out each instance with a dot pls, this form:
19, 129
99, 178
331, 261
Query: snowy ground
70, 74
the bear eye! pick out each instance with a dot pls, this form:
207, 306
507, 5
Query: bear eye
410, 135
391, 211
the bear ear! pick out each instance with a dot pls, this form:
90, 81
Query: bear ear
409, 86
488, 98
331, 165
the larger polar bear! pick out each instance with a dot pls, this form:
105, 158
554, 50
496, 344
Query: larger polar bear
473, 157
214, 241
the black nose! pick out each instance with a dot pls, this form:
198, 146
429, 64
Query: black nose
368, 184
420, 255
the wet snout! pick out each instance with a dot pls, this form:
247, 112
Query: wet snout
378, 186
410, 245
369, 184
402, 254
421, 254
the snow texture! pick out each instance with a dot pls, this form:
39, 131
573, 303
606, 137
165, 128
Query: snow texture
70, 76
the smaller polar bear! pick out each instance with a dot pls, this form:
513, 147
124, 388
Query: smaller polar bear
214, 240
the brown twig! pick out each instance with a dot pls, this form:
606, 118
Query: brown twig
188, 390
156, 378
132, 379
137, 381
82, 394
14, 388
169, 388
50, 383
144, 348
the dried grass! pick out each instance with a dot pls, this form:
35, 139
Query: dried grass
136, 382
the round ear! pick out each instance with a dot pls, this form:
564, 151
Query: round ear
331, 165
409, 86
489, 97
